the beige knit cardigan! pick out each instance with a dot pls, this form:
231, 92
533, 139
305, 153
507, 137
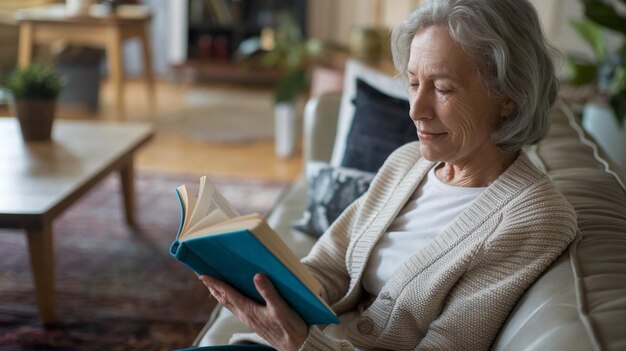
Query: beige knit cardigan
457, 291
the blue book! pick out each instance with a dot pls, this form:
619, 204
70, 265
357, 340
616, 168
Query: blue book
214, 240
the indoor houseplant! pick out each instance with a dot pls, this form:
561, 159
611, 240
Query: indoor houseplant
33, 91
604, 76
285, 48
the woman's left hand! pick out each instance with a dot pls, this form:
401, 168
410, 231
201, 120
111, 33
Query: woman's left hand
275, 321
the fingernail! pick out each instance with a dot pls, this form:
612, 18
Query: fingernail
212, 291
261, 281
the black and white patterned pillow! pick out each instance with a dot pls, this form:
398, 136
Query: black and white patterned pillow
331, 190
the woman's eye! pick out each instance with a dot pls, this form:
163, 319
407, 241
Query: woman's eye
443, 90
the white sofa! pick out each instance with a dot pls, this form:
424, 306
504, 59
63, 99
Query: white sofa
577, 304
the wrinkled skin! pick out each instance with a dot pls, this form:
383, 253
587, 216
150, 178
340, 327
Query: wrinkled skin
453, 112
275, 321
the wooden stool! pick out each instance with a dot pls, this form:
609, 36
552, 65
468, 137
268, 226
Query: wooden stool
45, 25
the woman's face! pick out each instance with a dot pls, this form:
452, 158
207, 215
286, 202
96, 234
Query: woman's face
452, 111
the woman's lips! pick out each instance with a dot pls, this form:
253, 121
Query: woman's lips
423, 135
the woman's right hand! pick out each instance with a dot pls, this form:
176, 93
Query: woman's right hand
275, 321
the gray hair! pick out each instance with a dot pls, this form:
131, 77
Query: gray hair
504, 40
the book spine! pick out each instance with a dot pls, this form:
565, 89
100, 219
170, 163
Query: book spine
190, 259
182, 217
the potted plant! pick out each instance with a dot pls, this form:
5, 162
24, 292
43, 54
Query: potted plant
285, 48
34, 90
604, 76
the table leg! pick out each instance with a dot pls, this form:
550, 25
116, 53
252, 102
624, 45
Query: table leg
26, 44
41, 251
116, 69
147, 65
127, 179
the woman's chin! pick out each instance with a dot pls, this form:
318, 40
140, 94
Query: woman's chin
429, 154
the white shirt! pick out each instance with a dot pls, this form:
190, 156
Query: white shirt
432, 207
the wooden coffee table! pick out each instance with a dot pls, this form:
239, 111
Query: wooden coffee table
38, 181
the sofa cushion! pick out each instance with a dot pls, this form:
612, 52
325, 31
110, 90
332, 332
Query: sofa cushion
381, 124
390, 86
579, 303
330, 191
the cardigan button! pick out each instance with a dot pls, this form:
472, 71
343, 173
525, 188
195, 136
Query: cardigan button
365, 325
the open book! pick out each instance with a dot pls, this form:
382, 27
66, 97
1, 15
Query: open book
213, 239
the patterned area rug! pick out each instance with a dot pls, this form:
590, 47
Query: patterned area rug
117, 288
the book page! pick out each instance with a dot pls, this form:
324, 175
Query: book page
214, 217
248, 222
210, 207
188, 203
223, 204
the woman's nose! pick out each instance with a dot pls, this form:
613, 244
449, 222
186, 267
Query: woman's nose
420, 104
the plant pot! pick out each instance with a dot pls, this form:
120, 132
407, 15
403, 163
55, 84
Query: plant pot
36, 118
285, 129
600, 122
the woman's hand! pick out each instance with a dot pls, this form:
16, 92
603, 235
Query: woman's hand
275, 322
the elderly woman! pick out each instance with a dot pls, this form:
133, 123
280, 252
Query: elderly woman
455, 227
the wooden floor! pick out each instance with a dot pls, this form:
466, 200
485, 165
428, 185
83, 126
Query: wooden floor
173, 151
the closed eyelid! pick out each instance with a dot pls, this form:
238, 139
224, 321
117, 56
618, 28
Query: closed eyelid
444, 86
435, 79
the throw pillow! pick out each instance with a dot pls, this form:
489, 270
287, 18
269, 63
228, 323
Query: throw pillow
382, 82
380, 125
331, 190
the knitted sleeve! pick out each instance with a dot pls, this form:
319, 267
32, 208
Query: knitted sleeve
327, 259
528, 240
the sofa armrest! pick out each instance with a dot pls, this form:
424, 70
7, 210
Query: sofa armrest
320, 127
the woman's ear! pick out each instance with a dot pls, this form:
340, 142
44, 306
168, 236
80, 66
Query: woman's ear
507, 107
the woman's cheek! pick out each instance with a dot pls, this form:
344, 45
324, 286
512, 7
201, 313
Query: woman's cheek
461, 119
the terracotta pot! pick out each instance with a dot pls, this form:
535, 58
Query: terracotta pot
35, 117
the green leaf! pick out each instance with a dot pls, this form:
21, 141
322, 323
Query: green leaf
36, 81
593, 36
272, 59
581, 72
605, 15
296, 57
314, 47
291, 85
622, 49
618, 83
